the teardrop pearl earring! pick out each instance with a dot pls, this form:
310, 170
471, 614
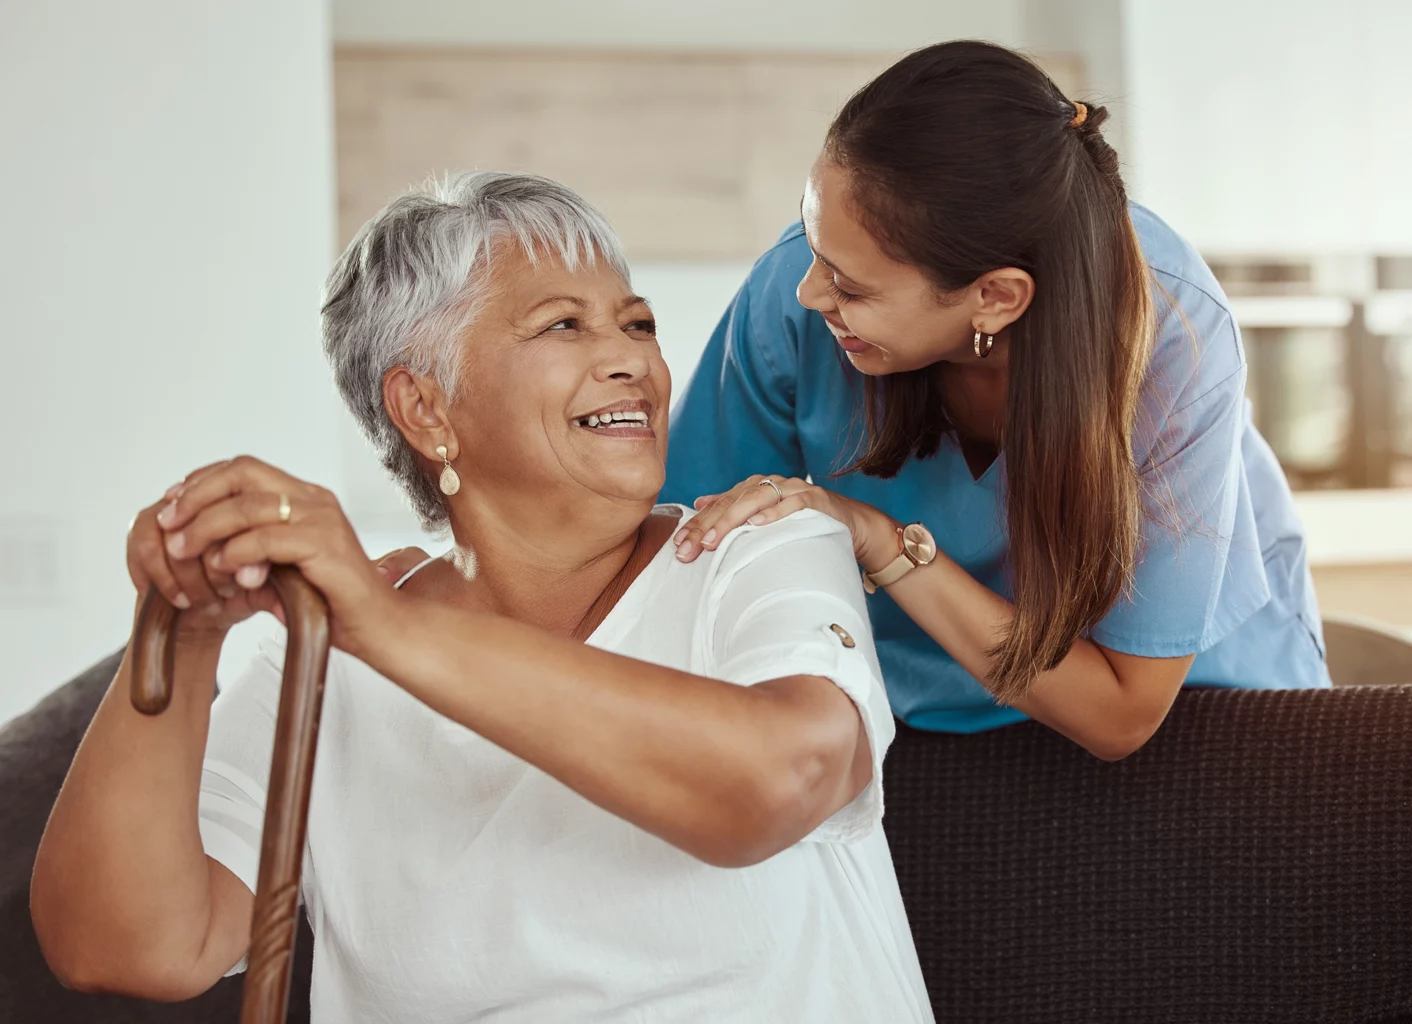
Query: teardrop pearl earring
450, 481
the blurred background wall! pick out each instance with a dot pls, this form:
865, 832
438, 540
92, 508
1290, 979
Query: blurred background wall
177, 178
166, 220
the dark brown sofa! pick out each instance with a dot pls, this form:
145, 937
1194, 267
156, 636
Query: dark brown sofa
1250, 864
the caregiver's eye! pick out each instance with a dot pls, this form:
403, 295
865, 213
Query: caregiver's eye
642, 327
839, 294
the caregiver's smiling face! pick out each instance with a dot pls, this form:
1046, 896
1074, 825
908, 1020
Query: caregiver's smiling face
564, 393
887, 315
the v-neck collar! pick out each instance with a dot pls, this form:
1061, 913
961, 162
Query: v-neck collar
988, 475
623, 614
609, 629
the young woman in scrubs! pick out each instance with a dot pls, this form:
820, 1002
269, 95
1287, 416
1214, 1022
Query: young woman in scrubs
1025, 397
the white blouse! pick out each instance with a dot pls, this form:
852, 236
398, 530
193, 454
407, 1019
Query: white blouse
449, 881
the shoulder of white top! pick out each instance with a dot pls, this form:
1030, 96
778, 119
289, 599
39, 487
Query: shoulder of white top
749, 542
687, 512
415, 569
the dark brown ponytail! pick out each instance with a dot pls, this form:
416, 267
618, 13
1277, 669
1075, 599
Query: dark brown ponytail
965, 158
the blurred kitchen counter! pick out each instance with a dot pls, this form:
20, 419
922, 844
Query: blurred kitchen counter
1360, 551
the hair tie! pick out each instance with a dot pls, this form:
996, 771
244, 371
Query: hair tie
1080, 116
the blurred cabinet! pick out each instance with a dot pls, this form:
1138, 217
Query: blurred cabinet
1330, 374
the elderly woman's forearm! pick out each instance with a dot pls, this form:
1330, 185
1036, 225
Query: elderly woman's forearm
120, 895
730, 774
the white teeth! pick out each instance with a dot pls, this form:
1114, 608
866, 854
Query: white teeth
608, 419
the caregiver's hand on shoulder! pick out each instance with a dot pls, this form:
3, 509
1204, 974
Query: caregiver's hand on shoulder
756, 502
235, 518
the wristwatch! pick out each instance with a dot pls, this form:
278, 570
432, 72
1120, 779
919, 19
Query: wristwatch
915, 546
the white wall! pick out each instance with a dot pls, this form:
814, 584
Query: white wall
1093, 31
166, 210
680, 24
1274, 125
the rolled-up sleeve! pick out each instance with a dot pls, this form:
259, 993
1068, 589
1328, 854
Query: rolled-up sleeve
787, 601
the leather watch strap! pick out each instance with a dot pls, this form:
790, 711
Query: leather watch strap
888, 574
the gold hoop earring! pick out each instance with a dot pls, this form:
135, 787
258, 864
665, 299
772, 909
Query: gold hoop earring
450, 482
981, 353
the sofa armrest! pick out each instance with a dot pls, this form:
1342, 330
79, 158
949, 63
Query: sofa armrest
35, 752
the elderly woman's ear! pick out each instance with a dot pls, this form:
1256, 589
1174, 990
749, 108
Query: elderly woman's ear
417, 407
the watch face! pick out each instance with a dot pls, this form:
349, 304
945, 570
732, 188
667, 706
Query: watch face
919, 543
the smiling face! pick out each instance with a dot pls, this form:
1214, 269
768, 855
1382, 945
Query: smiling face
888, 316
564, 393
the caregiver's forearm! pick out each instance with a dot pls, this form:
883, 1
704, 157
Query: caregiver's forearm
121, 894
1086, 698
730, 774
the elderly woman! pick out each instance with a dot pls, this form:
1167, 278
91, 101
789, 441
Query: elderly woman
562, 775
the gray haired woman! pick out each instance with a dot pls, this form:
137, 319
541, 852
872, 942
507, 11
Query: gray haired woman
562, 776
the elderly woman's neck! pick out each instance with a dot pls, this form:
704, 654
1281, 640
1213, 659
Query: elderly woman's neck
539, 567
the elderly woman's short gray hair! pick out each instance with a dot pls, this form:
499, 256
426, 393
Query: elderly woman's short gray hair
409, 285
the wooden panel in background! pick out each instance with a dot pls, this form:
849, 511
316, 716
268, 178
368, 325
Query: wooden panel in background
692, 156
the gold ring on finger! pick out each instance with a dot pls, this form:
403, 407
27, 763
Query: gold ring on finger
285, 509
767, 482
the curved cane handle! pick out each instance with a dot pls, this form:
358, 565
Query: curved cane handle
153, 647
274, 921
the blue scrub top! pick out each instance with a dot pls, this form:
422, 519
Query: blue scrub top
1229, 584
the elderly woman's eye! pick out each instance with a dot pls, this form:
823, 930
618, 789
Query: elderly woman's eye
567, 324
643, 327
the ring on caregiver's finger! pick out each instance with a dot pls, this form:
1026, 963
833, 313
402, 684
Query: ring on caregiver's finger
767, 482
285, 509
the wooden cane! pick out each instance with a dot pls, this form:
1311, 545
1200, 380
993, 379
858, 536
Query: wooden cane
274, 921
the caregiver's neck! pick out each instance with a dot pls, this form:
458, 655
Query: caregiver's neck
976, 392
542, 562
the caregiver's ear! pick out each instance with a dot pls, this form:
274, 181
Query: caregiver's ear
1002, 296
417, 407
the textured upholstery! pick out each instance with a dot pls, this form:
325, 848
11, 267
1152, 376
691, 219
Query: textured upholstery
1251, 863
